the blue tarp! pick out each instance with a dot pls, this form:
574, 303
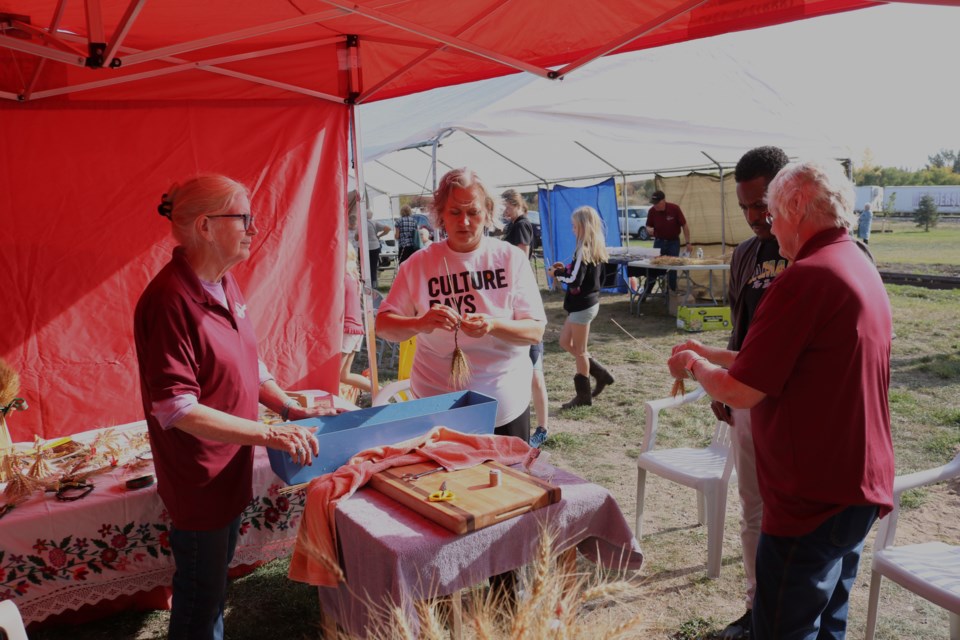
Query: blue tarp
556, 208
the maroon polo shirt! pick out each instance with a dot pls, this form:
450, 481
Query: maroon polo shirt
819, 348
188, 343
667, 224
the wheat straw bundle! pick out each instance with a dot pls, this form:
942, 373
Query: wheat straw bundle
459, 366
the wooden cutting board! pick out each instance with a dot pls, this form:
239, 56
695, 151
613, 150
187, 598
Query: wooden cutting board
476, 504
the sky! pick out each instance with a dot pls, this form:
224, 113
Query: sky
881, 82
883, 79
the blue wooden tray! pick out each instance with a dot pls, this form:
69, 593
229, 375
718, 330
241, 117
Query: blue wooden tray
343, 436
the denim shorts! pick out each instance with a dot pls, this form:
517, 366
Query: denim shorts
351, 342
536, 356
584, 317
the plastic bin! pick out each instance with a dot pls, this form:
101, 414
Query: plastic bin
343, 436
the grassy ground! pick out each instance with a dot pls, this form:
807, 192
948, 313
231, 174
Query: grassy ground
601, 443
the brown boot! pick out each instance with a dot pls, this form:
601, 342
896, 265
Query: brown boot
583, 398
602, 376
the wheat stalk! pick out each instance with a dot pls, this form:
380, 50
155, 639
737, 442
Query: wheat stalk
459, 366
678, 388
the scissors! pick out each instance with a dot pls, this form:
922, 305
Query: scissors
442, 494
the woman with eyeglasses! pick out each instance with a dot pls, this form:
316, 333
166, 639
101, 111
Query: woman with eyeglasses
201, 381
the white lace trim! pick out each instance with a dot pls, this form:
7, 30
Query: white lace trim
77, 595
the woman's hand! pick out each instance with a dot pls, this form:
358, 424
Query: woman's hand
678, 363
690, 345
439, 316
476, 325
296, 412
298, 441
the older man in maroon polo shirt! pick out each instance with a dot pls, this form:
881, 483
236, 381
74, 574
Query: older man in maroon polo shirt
815, 372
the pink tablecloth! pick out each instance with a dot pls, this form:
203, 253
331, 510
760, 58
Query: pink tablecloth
59, 556
390, 554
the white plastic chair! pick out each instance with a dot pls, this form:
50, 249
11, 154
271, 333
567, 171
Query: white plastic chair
929, 569
11, 622
708, 470
398, 391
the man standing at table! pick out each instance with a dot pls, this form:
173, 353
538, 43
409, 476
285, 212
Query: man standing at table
664, 222
756, 262
815, 372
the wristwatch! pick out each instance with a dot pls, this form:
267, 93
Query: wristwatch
689, 367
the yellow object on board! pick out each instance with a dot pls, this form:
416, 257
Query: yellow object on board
407, 349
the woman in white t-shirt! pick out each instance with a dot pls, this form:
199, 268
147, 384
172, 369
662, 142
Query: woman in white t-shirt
480, 284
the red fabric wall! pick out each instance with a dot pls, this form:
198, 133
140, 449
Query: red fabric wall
82, 237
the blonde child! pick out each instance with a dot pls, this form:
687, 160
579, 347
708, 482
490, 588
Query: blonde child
582, 303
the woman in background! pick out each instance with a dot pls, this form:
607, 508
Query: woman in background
201, 382
582, 303
519, 232
352, 323
406, 234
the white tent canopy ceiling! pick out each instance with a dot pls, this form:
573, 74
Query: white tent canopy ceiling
631, 114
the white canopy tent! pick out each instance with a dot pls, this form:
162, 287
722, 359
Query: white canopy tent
638, 113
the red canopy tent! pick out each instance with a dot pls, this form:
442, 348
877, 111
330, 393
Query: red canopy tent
104, 103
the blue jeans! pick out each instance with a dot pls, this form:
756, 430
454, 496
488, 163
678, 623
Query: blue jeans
200, 581
804, 582
669, 248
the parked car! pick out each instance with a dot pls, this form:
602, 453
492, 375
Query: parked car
636, 221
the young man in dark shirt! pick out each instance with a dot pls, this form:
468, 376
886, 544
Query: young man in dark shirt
756, 262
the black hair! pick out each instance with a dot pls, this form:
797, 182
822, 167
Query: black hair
761, 161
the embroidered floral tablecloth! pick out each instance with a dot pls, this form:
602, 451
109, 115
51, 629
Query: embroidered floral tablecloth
58, 556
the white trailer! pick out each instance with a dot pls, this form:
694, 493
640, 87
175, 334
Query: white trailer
871, 195
907, 199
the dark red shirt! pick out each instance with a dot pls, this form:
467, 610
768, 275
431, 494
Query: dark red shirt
188, 343
819, 347
667, 224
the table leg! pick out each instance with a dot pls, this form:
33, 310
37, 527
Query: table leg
328, 626
456, 615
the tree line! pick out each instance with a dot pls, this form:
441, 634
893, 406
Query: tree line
943, 168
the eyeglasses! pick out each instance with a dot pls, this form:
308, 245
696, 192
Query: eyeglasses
246, 217
769, 220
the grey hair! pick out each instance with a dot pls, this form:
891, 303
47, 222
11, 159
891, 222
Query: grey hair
819, 191
204, 195
462, 178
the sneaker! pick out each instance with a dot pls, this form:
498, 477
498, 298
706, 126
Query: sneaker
538, 437
739, 629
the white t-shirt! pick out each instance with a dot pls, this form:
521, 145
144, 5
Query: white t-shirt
495, 280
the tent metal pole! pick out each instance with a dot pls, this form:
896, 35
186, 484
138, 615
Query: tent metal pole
241, 34
95, 33
451, 41
508, 159
629, 37
54, 25
123, 28
439, 161
402, 175
361, 208
625, 235
208, 66
723, 224
41, 51
426, 54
